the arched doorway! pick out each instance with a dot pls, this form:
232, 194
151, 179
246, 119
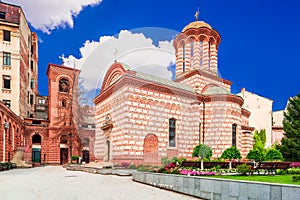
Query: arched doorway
86, 150
36, 148
151, 149
64, 150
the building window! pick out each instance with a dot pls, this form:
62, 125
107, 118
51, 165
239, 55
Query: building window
64, 103
6, 102
31, 65
6, 59
32, 83
31, 99
6, 35
41, 101
172, 132
234, 135
63, 85
183, 55
2, 15
201, 54
192, 49
6, 82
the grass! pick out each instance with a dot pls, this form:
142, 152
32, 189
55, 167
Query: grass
281, 179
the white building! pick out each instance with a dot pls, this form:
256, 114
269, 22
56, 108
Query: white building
261, 112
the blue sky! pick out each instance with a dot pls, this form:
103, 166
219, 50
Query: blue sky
259, 48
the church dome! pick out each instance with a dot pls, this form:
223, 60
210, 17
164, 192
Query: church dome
196, 24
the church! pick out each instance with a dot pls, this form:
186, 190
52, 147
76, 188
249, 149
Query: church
141, 118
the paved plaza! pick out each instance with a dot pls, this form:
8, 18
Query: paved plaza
56, 183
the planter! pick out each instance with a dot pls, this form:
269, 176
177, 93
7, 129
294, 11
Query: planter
215, 188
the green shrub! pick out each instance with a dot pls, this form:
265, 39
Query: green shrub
244, 169
132, 167
75, 157
294, 171
296, 178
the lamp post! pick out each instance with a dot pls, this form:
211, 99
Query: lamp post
6, 127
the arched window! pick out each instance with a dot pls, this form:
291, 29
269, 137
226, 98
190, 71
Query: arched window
64, 139
64, 85
36, 139
172, 132
64, 103
234, 135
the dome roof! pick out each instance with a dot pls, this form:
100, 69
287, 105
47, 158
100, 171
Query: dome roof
196, 24
213, 90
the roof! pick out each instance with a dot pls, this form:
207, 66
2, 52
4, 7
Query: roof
163, 81
196, 24
215, 90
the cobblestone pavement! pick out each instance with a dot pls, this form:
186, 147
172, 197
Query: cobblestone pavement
56, 183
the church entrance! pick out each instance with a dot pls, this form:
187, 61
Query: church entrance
151, 149
64, 155
86, 156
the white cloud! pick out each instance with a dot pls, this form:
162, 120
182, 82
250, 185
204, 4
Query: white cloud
134, 49
47, 15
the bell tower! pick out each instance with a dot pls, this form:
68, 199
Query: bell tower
196, 47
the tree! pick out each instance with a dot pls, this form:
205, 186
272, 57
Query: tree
202, 151
273, 154
260, 140
290, 143
256, 155
231, 153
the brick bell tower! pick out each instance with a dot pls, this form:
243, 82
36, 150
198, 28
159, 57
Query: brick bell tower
63, 104
196, 47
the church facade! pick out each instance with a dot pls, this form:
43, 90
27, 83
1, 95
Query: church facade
141, 118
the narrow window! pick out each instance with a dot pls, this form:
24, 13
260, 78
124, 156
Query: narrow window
192, 49
31, 99
6, 59
209, 55
234, 134
183, 64
6, 102
64, 103
6, 82
6, 35
31, 65
172, 132
201, 54
32, 83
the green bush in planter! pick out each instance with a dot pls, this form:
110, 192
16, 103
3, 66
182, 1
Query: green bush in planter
243, 169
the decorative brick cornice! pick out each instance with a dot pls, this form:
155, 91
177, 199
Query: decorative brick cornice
247, 128
115, 70
245, 112
225, 97
198, 33
202, 73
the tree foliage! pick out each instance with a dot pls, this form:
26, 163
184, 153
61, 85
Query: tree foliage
202, 151
290, 143
273, 154
260, 140
231, 153
256, 155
